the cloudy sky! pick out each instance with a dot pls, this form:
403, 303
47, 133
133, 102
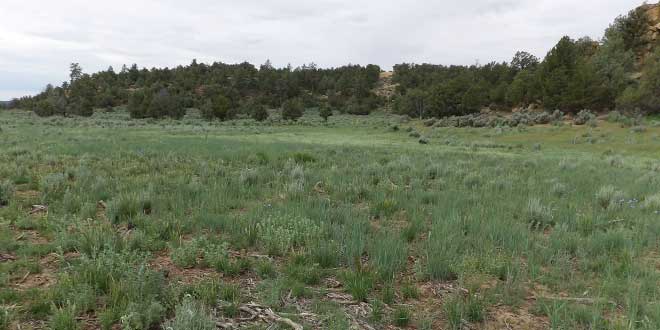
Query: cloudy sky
38, 38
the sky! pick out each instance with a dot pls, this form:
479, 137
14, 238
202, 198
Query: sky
39, 38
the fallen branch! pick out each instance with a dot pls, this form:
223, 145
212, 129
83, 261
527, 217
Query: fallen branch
224, 325
283, 320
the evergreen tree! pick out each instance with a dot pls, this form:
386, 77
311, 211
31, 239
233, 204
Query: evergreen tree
325, 112
292, 109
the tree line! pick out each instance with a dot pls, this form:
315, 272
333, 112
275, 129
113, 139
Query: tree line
574, 75
220, 91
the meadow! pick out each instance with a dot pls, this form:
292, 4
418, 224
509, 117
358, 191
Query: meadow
108, 222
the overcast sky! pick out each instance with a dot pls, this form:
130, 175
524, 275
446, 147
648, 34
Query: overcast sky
38, 38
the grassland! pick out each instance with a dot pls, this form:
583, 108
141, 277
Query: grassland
113, 223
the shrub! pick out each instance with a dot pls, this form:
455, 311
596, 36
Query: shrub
142, 315
652, 202
190, 315
248, 177
292, 109
537, 215
280, 234
638, 129
608, 197
185, 255
583, 117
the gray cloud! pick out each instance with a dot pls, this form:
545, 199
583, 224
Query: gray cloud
38, 39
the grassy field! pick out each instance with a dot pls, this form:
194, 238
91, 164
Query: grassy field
113, 223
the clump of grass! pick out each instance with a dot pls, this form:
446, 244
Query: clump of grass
248, 177
402, 316
567, 164
410, 291
358, 283
537, 215
302, 157
128, 206
6, 318
185, 255
190, 315
609, 197
472, 180
384, 208
64, 318
652, 202
388, 254
280, 234
458, 308
559, 189
6, 192
638, 129
388, 294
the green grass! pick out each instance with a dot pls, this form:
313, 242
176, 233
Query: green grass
278, 211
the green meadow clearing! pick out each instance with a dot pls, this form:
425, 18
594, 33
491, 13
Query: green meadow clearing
113, 223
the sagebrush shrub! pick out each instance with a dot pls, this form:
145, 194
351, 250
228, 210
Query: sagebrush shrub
185, 255
280, 233
583, 117
609, 197
652, 202
537, 215
190, 315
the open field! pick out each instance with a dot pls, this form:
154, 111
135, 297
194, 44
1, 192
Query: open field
148, 224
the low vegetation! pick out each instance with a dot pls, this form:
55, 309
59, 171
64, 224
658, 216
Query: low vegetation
111, 222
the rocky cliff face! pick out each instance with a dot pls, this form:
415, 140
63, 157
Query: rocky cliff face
652, 36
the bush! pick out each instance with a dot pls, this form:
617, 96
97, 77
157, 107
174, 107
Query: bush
652, 202
217, 107
583, 117
537, 215
190, 315
185, 256
292, 109
608, 197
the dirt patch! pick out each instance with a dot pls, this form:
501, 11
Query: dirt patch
27, 195
31, 236
162, 262
31, 281
520, 319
